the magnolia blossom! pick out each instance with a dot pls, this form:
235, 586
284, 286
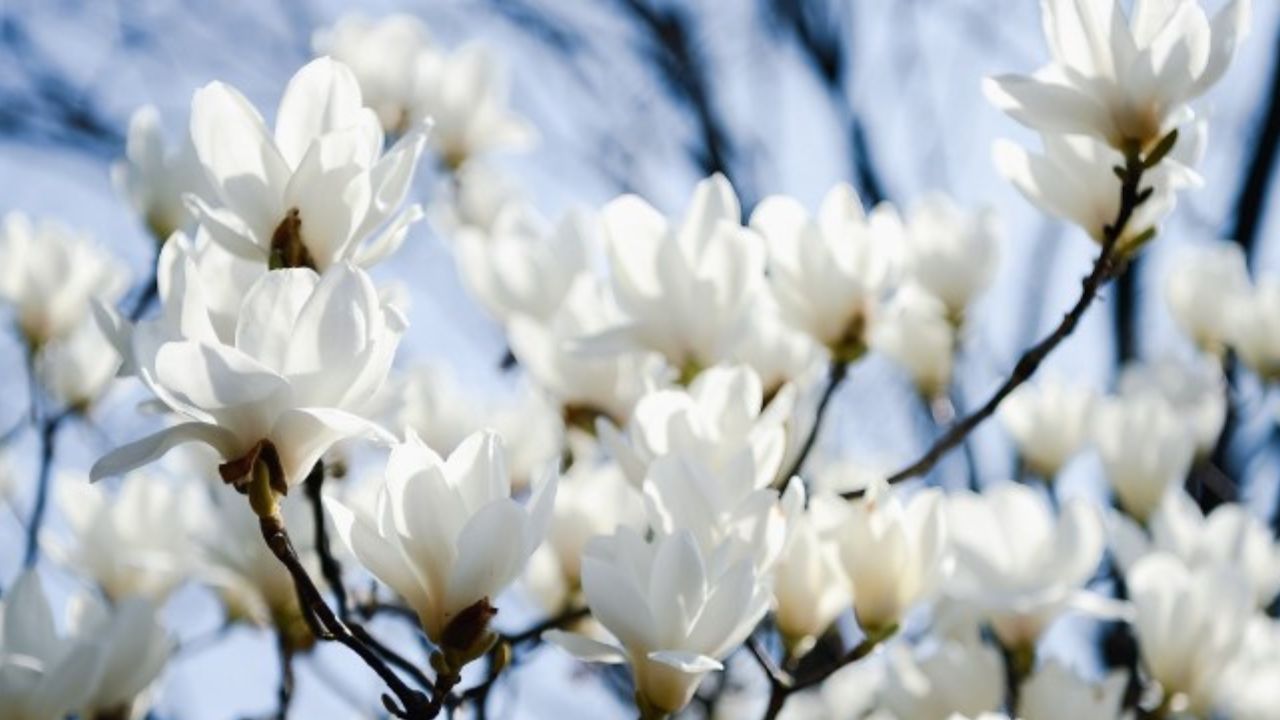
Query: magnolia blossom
674, 612
99, 669
1195, 392
1054, 692
956, 676
383, 55
952, 253
1189, 624
829, 272
593, 498
315, 192
1126, 81
448, 538
1018, 565
915, 333
305, 349
1048, 421
1247, 689
154, 178
477, 195
49, 274
1228, 536
686, 291
1253, 328
77, 369
777, 352
893, 553
523, 267
1201, 288
133, 544
810, 587
1145, 449
1075, 180
585, 386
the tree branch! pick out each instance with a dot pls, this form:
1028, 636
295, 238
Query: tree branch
836, 374
48, 438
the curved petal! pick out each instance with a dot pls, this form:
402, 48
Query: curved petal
321, 97
141, 452
241, 160
584, 648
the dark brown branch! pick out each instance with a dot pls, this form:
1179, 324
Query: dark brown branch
1105, 268
782, 684
284, 696
330, 568
835, 375
48, 438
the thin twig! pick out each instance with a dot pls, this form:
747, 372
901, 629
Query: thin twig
836, 373
782, 684
329, 565
284, 695
1105, 268
48, 437
534, 633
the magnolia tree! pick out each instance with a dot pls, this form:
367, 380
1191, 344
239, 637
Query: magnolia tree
654, 494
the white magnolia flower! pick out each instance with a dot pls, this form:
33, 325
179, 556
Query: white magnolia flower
315, 192
1048, 421
1019, 566
915, 333
1145, 449
77, 369
931, 684
524, 267
42, 676
448, 538
778, 353
593, 498
1201, 288
135, 647
1075, 180
383, 55
952, 253
464, 93
254, 587
1122, 80
1229, 536
810, 588
1195, 391
154, 178
1253, 328
829, 272
477, 194
674, 613
687, 291
306, 349
134, 543
50, 274
1054, 692
586, 386
1189, 625
894, 554
1247, 689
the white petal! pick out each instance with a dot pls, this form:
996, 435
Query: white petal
141, 452
584, 648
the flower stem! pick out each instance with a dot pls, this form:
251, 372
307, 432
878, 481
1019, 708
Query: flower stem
835, 375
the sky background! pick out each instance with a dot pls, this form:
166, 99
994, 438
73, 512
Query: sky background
641, 96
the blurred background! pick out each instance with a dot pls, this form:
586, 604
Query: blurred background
644, 96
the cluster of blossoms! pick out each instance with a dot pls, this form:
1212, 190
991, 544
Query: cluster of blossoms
652, 487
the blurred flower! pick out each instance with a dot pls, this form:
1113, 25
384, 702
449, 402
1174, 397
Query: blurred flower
1230, 536
132, 544
1195, 392
1189, 624
1247, 688
1054, 692
593, 498
951, 253
76, 369
915, 333
1253, 328
135, 647
1018, 565
1145, 448
1075, 180
479, 194
314, 194
1048, 421
524, 267
306, 348
383, 55
675, 614
448, 538
687, 292
778, 353
464, 94
1122, 81
154, 178
829, 272
894, 554
810, 588
954, 677
1201, 288
49, 275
